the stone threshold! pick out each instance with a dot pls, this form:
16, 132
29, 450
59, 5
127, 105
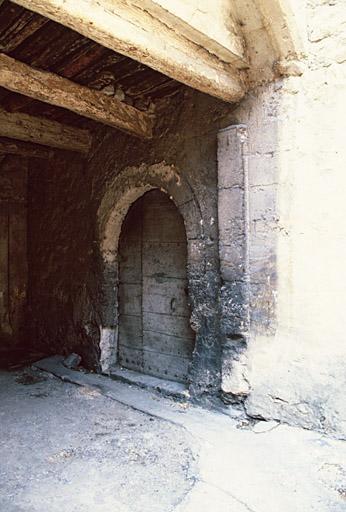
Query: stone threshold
166, 387
142, 391
148, 400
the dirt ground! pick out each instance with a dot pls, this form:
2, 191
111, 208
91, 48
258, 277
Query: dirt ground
82, 442
65, 448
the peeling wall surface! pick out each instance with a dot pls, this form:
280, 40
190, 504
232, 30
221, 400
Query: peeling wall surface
265, 235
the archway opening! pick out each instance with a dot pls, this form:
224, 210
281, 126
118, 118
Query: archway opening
154, 334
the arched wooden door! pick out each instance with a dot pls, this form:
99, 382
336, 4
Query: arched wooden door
155, 336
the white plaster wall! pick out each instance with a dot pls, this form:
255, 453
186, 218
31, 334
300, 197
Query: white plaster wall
297, 174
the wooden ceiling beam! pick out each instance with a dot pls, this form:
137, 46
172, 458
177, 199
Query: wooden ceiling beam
27, 149
79, 65
42, 131
127, 28
56, 90
209, 24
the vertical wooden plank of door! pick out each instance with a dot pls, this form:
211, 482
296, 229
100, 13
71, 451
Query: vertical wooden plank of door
130, 290
167, 336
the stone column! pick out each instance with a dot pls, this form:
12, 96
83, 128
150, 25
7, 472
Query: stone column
233, 251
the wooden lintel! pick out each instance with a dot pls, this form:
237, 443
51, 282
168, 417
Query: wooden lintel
128, 29
59, 91
43, 131
27, 149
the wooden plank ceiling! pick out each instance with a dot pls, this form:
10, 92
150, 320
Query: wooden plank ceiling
44, 44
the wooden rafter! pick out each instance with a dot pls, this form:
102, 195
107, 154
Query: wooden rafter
127, 28
55, 90
42, 131
27, 149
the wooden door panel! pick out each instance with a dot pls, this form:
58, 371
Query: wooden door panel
130, 335
167, 297
130, 331
131, 262
167, 324
154, 330
130, 299
161, 220
164, 259
165, 366
167, 344
131, 358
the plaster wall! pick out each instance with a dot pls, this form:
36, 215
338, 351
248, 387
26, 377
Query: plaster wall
297, 240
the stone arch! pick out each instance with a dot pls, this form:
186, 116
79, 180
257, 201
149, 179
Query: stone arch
127, 187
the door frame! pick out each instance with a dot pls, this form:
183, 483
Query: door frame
127, 187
